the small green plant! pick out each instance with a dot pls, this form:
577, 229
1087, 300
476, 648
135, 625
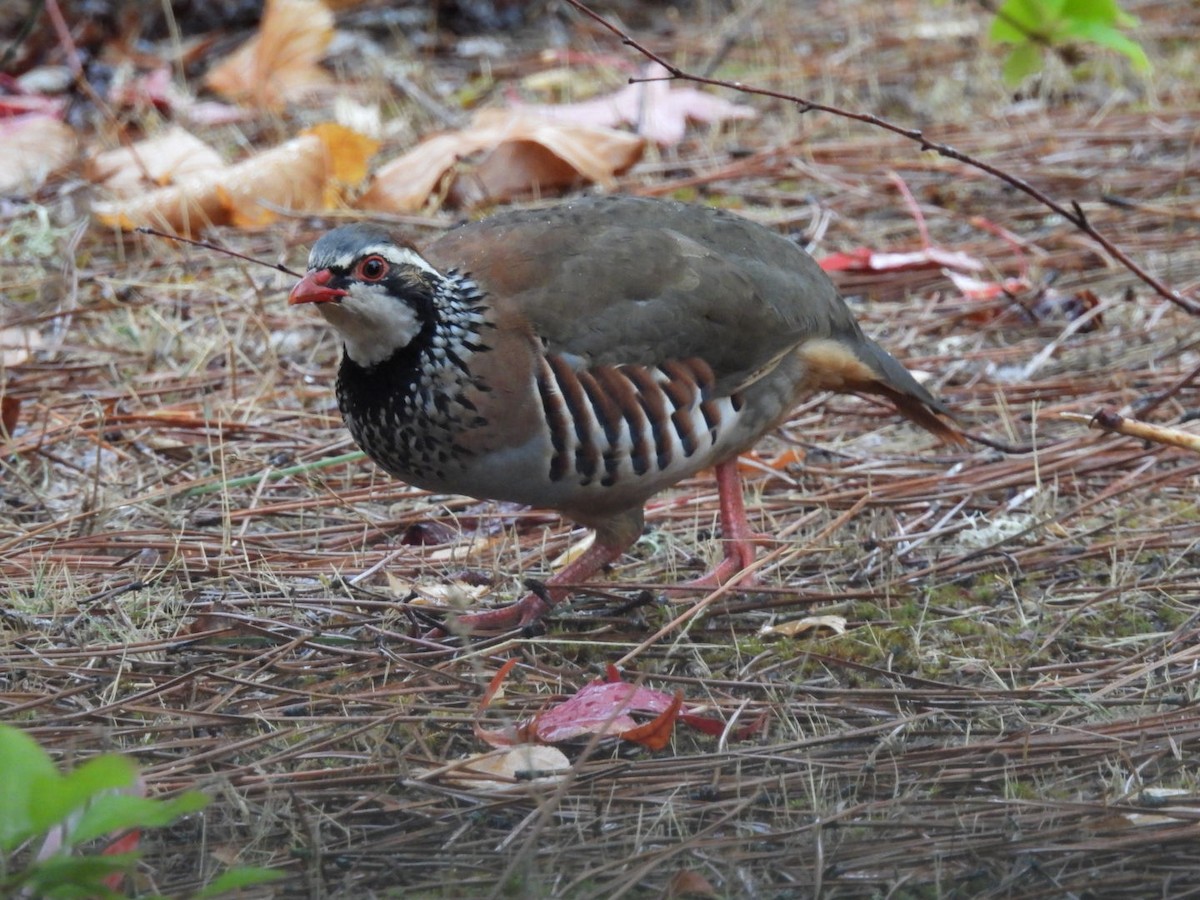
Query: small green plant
50, 821
1035, 26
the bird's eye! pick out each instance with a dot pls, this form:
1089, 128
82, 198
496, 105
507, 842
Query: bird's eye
373, 268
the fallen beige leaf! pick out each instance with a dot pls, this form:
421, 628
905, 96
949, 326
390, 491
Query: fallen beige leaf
505, 769
310, 172
17, 345
164, 159
32, 147
573, 552
836, 624
453, 594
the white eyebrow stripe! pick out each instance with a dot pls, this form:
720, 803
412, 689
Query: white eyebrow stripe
397, 256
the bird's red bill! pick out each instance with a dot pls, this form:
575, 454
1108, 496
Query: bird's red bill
314, 288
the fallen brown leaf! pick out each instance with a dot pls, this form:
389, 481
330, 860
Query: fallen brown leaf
520, 153
280, 63
10, 414
686, 883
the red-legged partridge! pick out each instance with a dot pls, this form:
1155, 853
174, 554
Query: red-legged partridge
586, 356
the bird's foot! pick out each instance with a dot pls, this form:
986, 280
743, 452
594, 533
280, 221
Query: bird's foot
541, 597
739, 556
529, 609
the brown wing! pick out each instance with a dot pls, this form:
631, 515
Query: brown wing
630, 280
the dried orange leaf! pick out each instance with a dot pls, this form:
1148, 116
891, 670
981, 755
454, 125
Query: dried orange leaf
657, 734
496, 684
309, 172
279, 63
519, 153
161, 160
347, 153
505, 737
32, 146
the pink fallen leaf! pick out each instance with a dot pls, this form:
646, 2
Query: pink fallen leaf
23, 104
501, 154
930, 256
146, 89
657, 109
600, 708
977, 289
863, 259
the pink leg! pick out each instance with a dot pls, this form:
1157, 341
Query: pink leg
614, 536
738, 540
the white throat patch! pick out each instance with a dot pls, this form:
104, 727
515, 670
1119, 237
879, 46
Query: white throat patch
372, 323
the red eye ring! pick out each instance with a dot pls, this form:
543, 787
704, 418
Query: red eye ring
372, 268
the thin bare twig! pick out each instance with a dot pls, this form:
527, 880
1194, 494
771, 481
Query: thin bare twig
206, 245
1072, 212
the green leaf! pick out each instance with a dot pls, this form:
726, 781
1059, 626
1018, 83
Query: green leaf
1022, 62
1016, 20
1106, 36
241, 877
94, 777
118, 812
1106, 11
29, 788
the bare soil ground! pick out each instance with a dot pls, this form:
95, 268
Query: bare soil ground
188, 578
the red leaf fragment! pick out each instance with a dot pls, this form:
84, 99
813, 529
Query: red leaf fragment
127, 843
10, 414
